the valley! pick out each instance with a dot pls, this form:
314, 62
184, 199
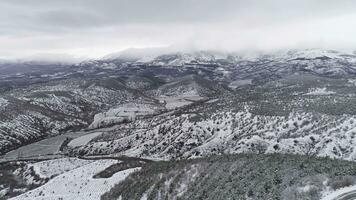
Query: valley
178, 117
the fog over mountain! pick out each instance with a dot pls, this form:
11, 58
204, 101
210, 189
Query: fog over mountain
92, 29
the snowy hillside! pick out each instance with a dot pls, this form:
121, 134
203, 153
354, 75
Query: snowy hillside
51, 108
246, 176
226, 132
78, 183
96, 93
165, 107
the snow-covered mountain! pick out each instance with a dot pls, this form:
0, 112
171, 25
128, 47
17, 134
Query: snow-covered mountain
175, 105
46, 100
228, 65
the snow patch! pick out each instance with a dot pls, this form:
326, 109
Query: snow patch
238, 83
83, 140
78, 184
320, 91
51, 168
126, 112
173, 102
335, 194
3, 102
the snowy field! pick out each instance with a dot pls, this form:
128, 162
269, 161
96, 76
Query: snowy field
83, 140
51, 168
320, 91
78, 184
173, 102
43, 148
238, 83
125, 112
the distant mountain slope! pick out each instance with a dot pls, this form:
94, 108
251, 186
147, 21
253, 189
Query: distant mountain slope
191, 85
236, 66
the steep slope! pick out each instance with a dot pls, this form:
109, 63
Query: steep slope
237, 177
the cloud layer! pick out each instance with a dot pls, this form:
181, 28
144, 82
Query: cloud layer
93, 28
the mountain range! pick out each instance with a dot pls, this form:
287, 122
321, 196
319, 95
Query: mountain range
174, 106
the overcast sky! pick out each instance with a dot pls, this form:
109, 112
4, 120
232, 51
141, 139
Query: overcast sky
93, 28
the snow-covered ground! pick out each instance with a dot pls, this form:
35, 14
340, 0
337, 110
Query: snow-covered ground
3, 102
83, 140
78, 184
51, 168
238, 83
127, 112
320, 91
47, 148
173, 102
38, 149
335, 195
231, 132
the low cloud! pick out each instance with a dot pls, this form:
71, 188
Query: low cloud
94, 28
